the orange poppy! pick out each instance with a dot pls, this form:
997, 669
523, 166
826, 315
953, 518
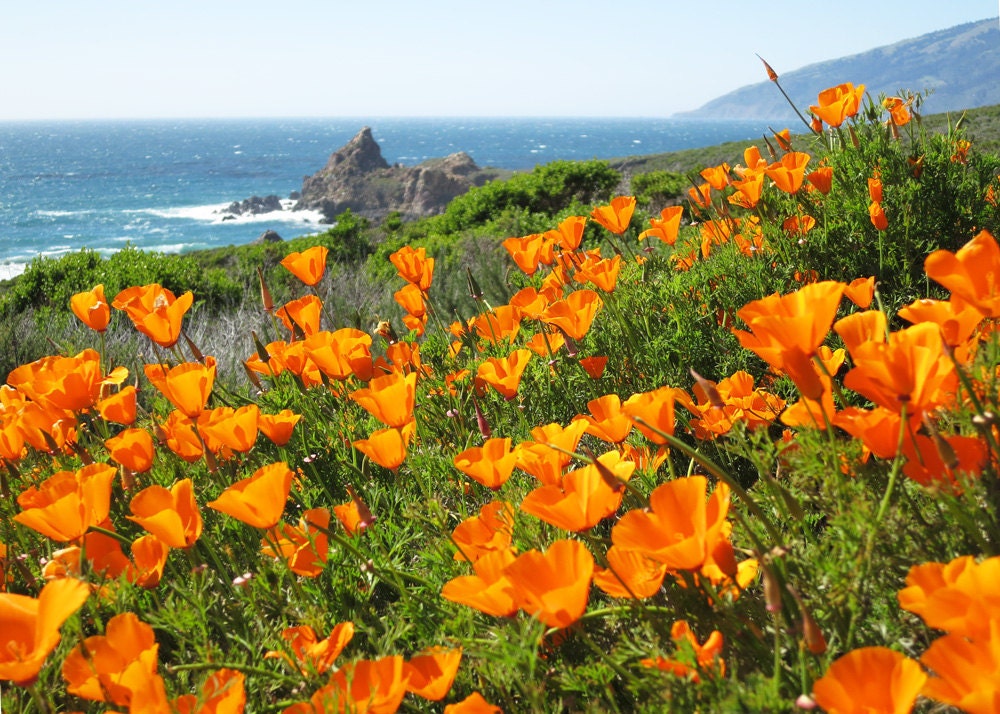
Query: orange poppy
967, 671
956, 597
490, 531
630, 574
29, 627
585, 496
553, 586
616, 215
700, 196
181, 437
666, 227
354, 515
119, 407
155, 311
414, 266
970, 272
546, 343
92, 308
64, 383
233, 428
594, 366
302, 315
607, 421
149, 557
473, 704
838, 103
187, 386
540, 459
430, 674
504, 373
798, 225
105, 668
716, 176
67, 503
278, 427
925, 460
342, 353
748, 189
103, 553
499, 324
569, 233
877, 215
312, 655
373, 686
575, 313
490, 464
821, 179
133, 449
956, 318
303, 547
870, 680
387, 447
861, 291
789, 172
308, 266
410, 298
171, 515
530, 302
861, 327
389, 398
653, 412
258, 500
899, 112
602, 273
706, 656
223, 692
681, 529
529, 251
488, 590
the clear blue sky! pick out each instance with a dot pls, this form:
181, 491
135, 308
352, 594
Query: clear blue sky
226, 58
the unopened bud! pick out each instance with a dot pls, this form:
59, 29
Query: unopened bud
265, 295
484, 426
709, 388
805, 702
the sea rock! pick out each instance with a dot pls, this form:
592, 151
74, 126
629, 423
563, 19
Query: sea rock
253, 206
268, 237
358, 178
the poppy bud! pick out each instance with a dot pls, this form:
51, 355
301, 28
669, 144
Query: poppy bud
771, 74
772, 588
484, 426
711, 393
265, 295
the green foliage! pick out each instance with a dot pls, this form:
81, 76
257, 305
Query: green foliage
657, 189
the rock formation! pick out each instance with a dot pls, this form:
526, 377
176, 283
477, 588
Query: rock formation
253, 206
356, 177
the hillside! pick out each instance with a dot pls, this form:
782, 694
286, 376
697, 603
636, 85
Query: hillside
958, 65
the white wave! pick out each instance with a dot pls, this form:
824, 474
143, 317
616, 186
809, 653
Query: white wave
11, 270
217, 214
64, 214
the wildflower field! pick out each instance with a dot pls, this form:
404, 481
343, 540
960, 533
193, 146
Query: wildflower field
737, 455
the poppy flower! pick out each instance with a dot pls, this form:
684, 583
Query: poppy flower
899, 112
681, 529
490, 464
529, 251
488, 590
838, 103
312, 655
504, 373
410, 298
748, 189
342, 353
616, 215
967, 671
430, 674
67, 503
956, 318
601, 273
155, 311
308, 266
473, 704
387, 447
354, 515
303, 547
234, 428
970, 272
29, 627
594, 366
821, 179
585, 497
302, 315
700, 196
958, 597
187, 386
666, 227
490, 531
706, 656
278, 427
258, 500
92, 308
877, 216
606, 420
181, 437
133, 449
789, 172
104, 668
546, 343
375, 686
553, 586
716, 176
389, 398
171, 515
414, 266
630, 574
499, 324
222, 692
870, 680
539, 459
65, 383
149, 557
569, 233
530, 302
119, 407
575, 313
861, 292
861, 327
103, 554
653, 412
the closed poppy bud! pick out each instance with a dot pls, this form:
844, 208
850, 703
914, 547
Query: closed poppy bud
92, 308
265, 295
877, 216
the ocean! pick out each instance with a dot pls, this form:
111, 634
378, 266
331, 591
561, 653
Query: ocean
162, 184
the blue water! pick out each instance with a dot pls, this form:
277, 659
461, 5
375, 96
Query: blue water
159, 185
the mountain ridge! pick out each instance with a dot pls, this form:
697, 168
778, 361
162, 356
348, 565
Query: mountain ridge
955, 68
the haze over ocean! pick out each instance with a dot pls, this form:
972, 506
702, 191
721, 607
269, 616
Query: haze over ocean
159, 184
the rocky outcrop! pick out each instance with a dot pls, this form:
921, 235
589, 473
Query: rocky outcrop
253, 206
358, 178
267, 236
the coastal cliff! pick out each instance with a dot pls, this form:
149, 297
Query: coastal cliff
358, 178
